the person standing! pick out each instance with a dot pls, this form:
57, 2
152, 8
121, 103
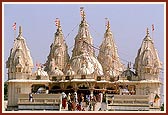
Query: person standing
75, 97
30, 97
101, 97
64, 100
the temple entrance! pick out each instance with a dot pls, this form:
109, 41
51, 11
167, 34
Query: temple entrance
112, 90
69, 89
55, 89
83, 94
83, 90
97, 90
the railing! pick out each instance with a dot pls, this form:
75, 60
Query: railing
40, 99
40, 102
137, 100
128, 96
86, 77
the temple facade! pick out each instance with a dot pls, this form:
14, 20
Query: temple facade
84, 72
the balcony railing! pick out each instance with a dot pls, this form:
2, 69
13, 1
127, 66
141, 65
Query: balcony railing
40, 99
136, 100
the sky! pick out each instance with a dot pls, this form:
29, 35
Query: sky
128, 25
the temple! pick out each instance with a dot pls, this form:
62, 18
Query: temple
85, 73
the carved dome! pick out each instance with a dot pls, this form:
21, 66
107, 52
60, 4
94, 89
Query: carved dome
128, 73
91, 63
56, 72
111, 73
70, 72
84, 70
40, 72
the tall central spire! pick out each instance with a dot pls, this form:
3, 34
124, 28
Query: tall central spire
83, 40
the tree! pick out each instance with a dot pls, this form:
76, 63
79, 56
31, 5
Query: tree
162, 107
5, 91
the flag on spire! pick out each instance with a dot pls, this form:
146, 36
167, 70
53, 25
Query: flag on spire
156, 98
153, 27
57, 22
14, 26
38, 64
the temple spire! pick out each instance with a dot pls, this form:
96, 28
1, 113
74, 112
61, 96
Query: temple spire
108, 51
83, 40
58, 50
148, 57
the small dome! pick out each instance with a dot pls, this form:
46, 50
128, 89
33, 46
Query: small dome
40, 72
57, 72
70, 72
111, 73
129, 74
83, 70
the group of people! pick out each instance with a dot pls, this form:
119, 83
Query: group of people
78, 102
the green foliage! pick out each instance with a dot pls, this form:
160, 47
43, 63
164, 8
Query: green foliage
162, 107
5, 91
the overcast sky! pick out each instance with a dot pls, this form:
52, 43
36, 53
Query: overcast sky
128, 25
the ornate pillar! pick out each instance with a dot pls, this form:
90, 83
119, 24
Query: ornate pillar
62, 85
92, 99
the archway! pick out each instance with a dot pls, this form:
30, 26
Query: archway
111, 90
97, 90
55, 89
69, 89
83, 89
38, 88
83, 93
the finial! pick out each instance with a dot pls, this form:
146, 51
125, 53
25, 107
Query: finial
129, 65
82, 12
20, 30
147, 32
57, 22
107, 24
